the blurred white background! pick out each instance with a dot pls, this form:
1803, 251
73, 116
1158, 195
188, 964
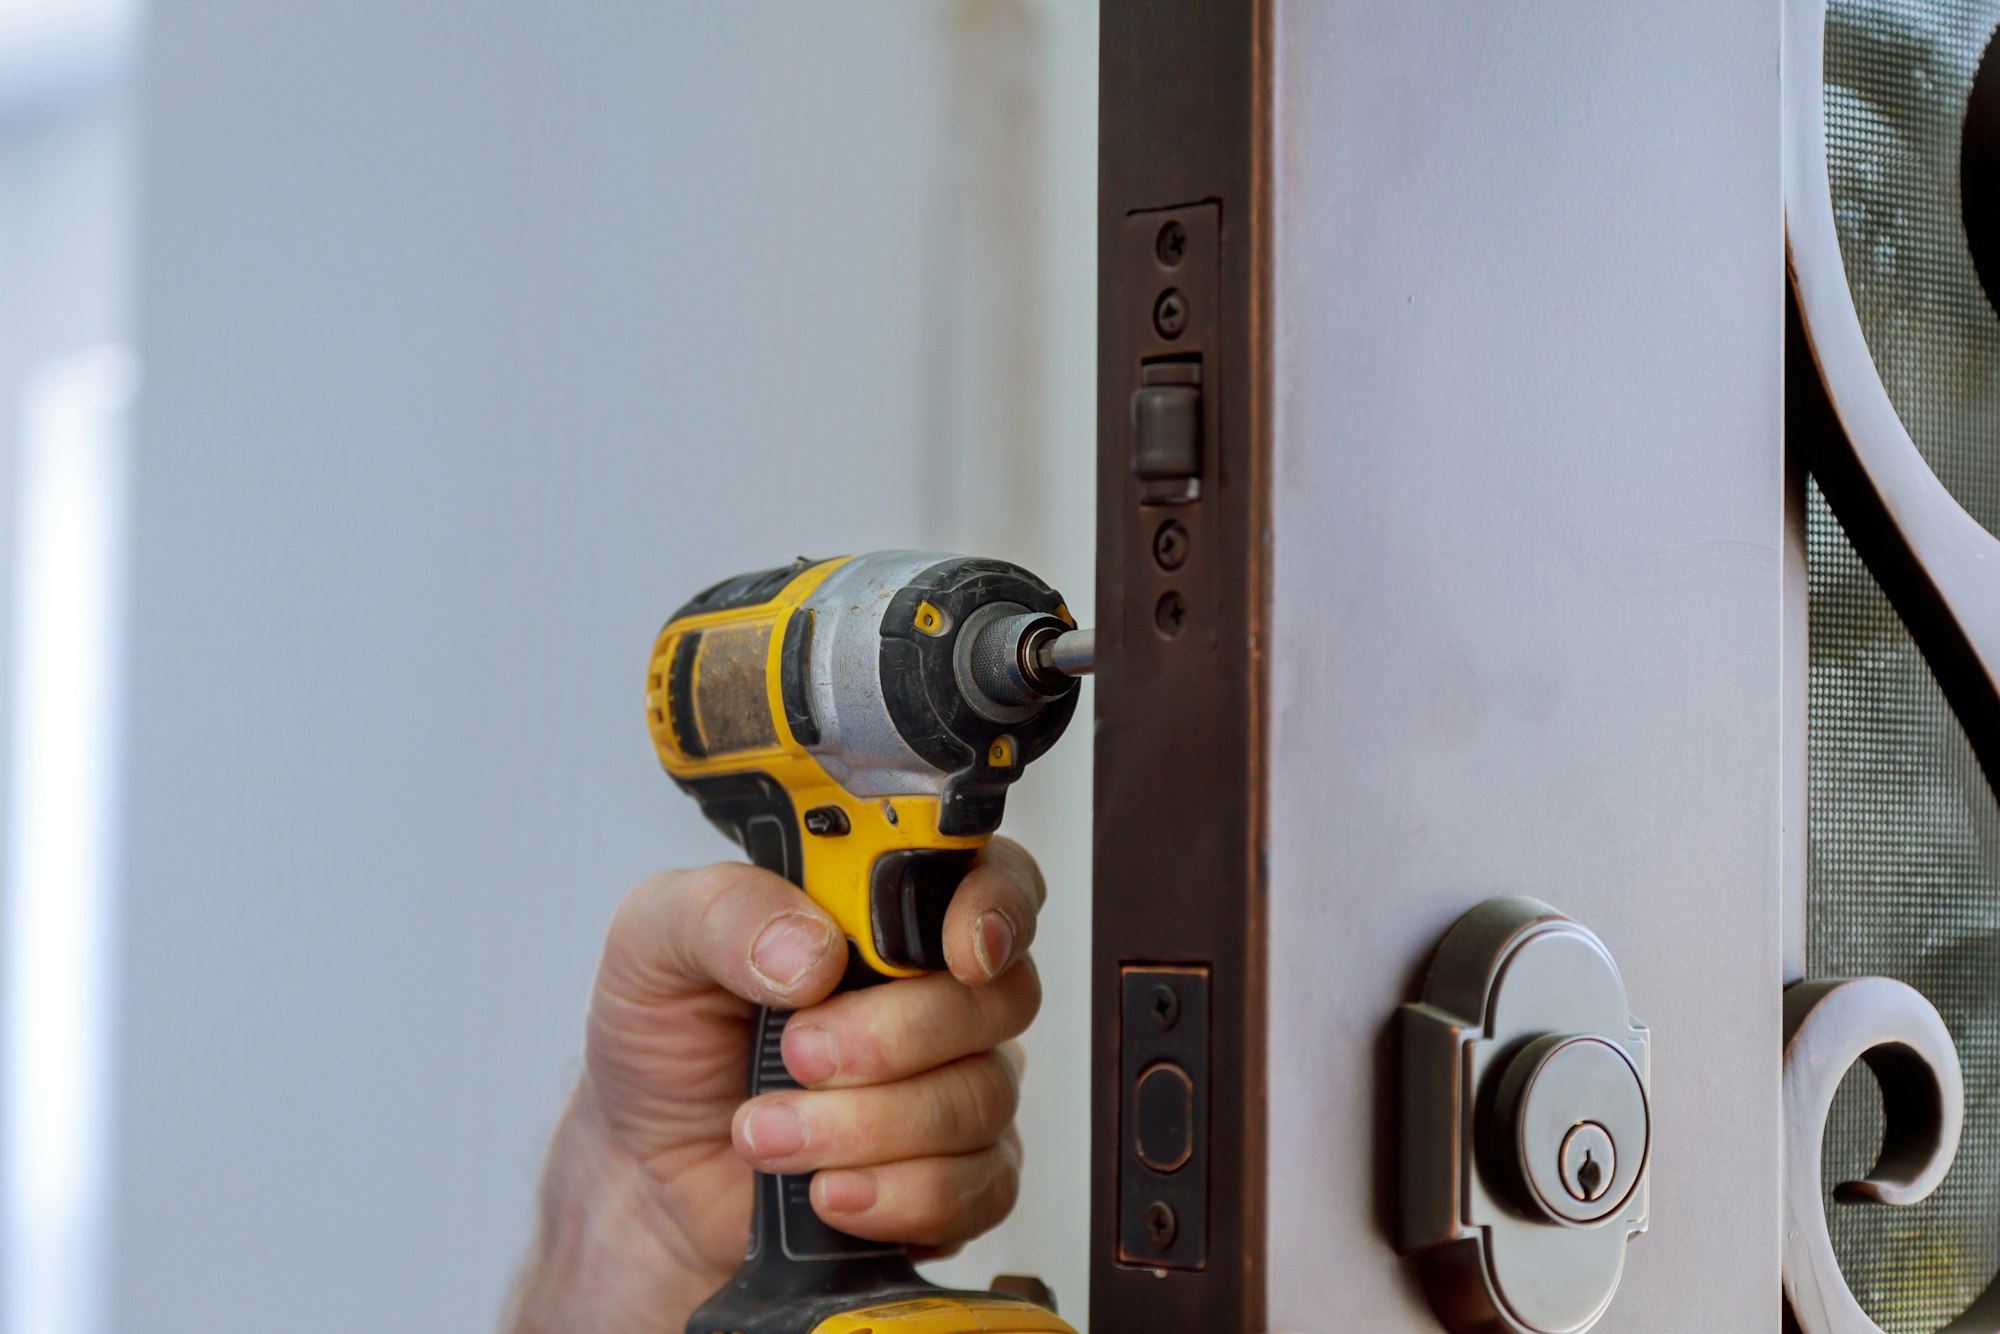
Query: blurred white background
472, 338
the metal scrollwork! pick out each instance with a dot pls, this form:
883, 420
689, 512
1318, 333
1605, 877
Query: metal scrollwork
1828, 1027
1938, 564
1940, 567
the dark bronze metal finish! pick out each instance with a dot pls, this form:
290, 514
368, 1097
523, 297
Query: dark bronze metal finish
1170, 545
1027, 1287
1979, 171
1163, 1169
1940, 568
1170, 614
1167, 429
1180, 758
1161, 1225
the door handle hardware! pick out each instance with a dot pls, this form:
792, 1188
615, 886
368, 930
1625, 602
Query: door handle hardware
1828, 1027
1527, 1124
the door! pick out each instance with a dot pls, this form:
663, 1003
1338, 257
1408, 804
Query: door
1548, 451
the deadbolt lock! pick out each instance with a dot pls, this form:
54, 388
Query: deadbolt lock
1526, 1126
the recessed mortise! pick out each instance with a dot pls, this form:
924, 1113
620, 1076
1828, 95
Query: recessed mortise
1163, 1158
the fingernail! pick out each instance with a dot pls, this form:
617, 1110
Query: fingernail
811, 1053
775, 1132
786, 949
994, 942
846, 1192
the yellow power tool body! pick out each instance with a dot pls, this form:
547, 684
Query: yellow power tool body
854, 724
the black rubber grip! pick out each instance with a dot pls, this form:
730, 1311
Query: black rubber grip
797, 1270
791, 1229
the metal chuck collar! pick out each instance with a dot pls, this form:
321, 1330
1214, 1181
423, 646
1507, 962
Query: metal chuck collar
1010, 661
1523, 1061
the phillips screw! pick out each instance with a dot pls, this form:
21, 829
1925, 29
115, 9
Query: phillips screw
1161, 1225
1170, 313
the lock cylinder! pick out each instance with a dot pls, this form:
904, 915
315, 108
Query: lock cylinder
1523, 1060
1562, 1108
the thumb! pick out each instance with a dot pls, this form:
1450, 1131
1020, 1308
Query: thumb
729, 925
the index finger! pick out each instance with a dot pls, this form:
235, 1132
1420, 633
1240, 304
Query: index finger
991, 921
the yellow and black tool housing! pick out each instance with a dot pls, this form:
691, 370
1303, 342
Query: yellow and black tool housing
829, 717
818, 714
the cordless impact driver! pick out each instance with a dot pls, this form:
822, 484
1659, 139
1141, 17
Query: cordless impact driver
854, 725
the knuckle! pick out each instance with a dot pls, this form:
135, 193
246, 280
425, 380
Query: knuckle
976, 1099
933, 1203
1006, 1079
867, 1051
1003, 1189
895, 1030
1022, 870
710, 887
1022, 997
635, 954
629, 917
950, 1108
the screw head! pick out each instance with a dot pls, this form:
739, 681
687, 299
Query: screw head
1171, 244
1166, 1006
1161, 1225
1170, 545
1170, 615
1588, 1161
1170, 313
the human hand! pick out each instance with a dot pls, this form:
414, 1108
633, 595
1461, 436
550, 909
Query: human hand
906, 1117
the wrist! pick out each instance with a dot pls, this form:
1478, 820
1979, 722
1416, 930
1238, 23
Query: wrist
606, 1255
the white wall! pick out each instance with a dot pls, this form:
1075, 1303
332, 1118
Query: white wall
66, 168
65, 219
477, 336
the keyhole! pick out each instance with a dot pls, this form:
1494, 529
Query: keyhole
1589, 1175
1588, 1160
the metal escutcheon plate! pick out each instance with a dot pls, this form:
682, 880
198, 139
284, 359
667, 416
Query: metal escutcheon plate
1526, 1126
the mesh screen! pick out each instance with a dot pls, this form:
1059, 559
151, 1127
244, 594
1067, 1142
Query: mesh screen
1905, 874
1898, 73
1904, 883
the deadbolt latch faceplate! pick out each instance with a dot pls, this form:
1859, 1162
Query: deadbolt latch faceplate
1526, 1124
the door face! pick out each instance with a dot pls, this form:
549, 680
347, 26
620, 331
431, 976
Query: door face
1502, 376
1528, 596
1596, 480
